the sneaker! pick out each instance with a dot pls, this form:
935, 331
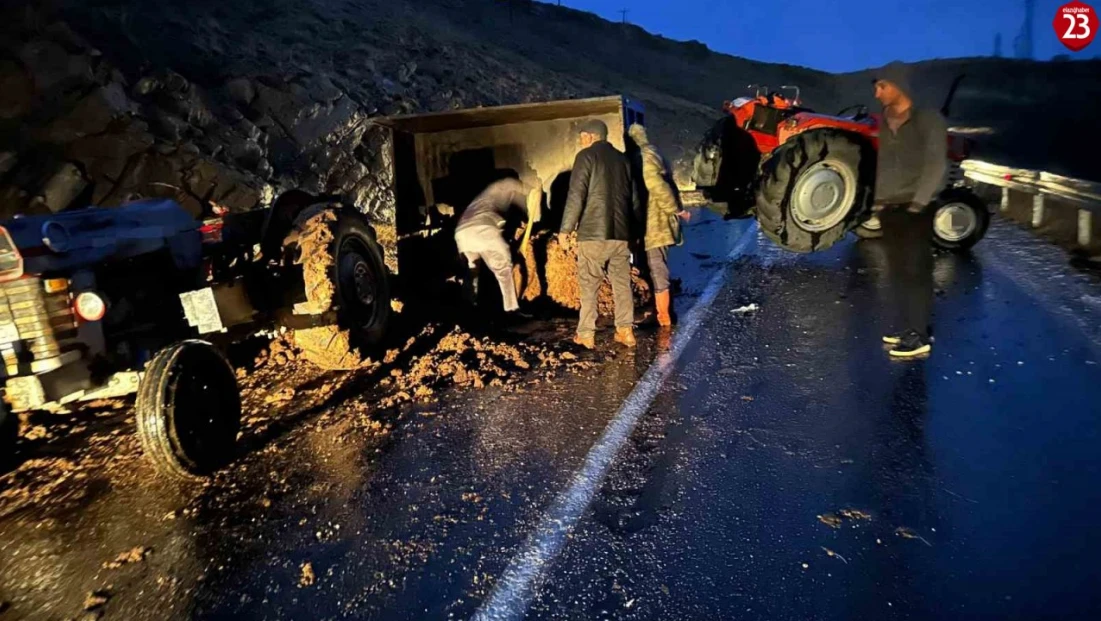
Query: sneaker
912, 344
625, 336
893, 339
588, 342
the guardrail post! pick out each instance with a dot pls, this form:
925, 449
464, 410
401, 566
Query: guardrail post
1037, 210
1085, 227
1005, 199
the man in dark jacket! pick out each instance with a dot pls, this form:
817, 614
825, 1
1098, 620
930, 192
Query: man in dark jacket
913, 155
603, 207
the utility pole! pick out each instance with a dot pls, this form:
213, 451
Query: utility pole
624, 12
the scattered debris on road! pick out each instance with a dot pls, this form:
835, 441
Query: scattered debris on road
833, 520
748, 308
908, 533
855, 514
830, 553
96, 600
308, 578
135, 555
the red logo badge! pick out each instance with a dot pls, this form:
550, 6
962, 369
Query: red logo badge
1076, 25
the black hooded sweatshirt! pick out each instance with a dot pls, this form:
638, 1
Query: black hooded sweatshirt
913, 161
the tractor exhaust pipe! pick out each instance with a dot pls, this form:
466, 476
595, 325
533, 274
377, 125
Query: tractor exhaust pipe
951, 94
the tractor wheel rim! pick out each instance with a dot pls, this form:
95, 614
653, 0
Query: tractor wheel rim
823, 196
357, 278
955, 222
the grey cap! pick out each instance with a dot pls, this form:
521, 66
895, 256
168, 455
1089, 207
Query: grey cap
595, 127
897, 73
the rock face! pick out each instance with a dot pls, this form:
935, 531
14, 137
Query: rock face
230, 103
76, 131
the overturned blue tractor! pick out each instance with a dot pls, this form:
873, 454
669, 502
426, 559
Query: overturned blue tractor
143, 298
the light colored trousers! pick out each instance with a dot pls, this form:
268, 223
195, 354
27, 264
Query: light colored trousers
485, 243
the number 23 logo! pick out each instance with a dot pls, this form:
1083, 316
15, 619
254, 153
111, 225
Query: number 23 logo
1076, 25
1083, 24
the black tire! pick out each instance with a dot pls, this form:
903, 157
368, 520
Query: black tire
188, 410
972, 219
343, 271
815, 188
9, 430
725, 167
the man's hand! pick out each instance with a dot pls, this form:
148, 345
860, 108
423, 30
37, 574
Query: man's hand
563, 239
684, 214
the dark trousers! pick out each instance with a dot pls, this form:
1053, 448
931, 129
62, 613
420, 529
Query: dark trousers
909, 241
657, 259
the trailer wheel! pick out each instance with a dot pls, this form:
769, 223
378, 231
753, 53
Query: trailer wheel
815, 188
188, 410
343, 272
960, 220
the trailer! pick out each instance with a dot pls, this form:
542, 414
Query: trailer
143, 298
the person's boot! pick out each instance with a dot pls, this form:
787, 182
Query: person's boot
661, 301
588, 342
470, 286
625, 336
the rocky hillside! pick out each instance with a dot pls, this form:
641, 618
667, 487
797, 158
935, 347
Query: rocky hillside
232, 102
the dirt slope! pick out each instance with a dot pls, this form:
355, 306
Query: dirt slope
107, 100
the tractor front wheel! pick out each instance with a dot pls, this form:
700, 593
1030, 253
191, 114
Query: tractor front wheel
188, 410
960, 220
815, 188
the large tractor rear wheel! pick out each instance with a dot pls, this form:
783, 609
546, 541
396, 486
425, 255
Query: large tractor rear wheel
344, 273
960, 220
815, 188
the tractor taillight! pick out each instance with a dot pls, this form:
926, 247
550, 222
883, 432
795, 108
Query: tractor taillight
89, 306
11, 262
212, 231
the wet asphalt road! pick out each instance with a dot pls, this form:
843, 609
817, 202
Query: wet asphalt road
977, 470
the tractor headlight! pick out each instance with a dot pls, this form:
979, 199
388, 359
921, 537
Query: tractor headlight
89, 306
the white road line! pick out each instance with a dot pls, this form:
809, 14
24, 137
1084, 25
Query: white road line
513, 594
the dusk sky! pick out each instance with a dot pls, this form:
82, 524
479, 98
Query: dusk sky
844, 36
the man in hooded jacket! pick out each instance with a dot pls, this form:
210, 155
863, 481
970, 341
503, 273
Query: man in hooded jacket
663, 208
911, 169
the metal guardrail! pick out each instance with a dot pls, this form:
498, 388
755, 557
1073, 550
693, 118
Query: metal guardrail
1085, 195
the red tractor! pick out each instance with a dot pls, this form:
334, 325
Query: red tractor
810, 178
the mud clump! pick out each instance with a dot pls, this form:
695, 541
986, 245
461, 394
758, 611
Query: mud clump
130, 557
461, 360
559, 276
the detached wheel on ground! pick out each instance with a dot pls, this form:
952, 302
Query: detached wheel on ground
188, 410
815, 188
960, 220
346, 282
871, 228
